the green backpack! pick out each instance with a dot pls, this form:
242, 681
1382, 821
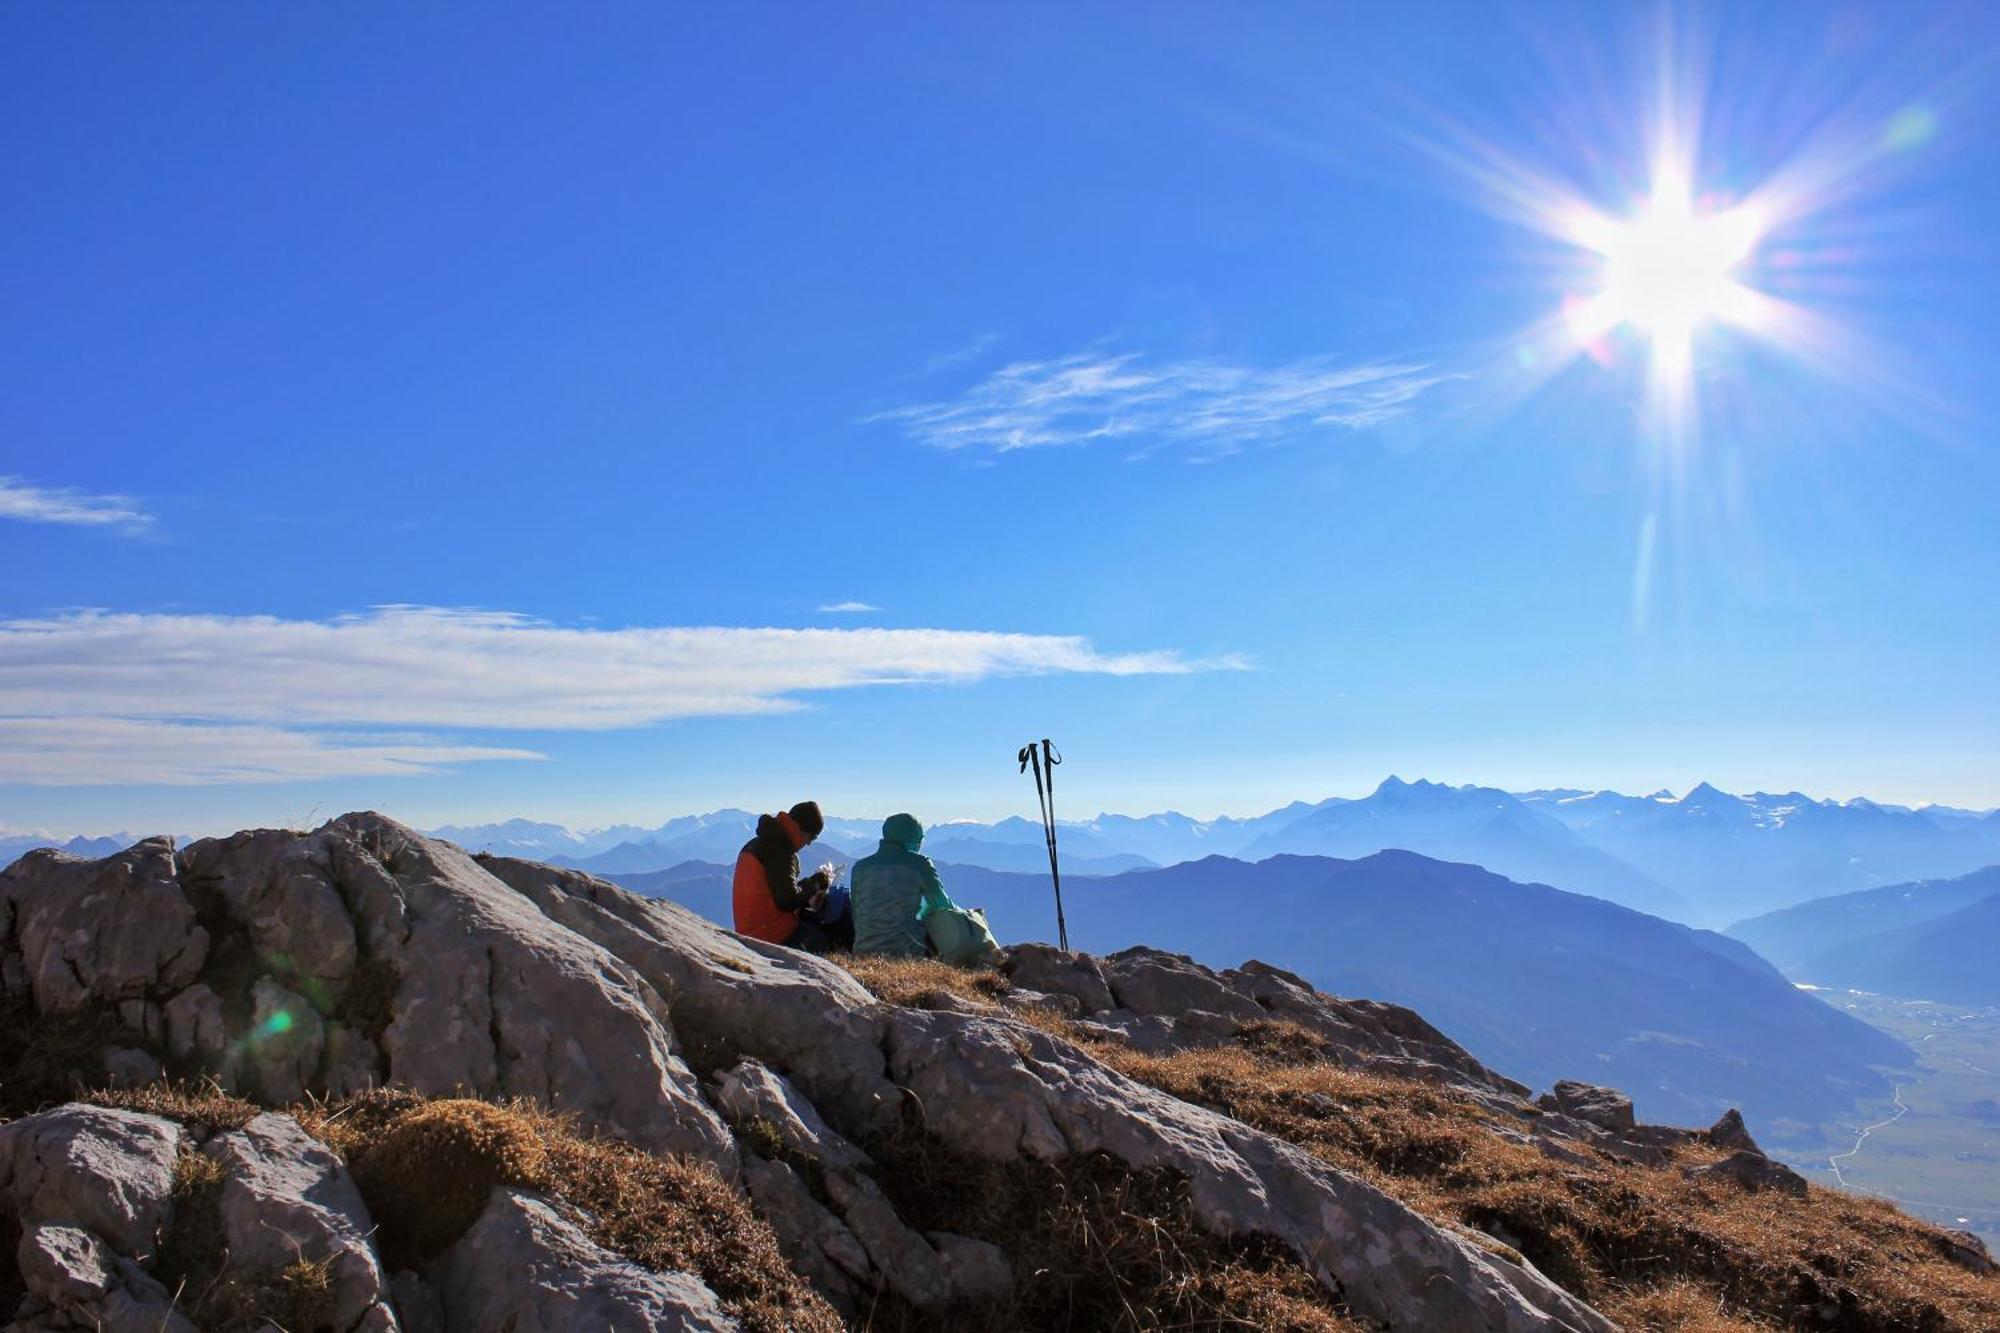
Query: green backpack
962, 938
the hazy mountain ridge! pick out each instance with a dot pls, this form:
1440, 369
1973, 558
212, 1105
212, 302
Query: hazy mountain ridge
1934, 939
1706, 857
1538, 983
1736, 856
1482, 825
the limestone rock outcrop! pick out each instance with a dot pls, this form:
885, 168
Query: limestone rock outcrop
285, 964
287, 1198
91, 1190
526, 1267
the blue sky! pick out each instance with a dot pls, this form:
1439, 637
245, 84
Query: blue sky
1183, 382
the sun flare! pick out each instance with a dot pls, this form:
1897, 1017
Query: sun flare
1666, 270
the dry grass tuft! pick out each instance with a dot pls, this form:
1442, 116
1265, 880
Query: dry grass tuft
668, 1214
204, 1104
426, 1168
916, 982
428, 1175
1681, 1307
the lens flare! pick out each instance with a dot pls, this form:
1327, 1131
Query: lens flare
1701, 233
1666, 270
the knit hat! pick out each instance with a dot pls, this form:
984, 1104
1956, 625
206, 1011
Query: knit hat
807, 816
903, 829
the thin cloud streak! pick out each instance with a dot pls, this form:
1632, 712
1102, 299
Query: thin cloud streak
28, 503
1209, 408
848, 608
104, 751
233, 691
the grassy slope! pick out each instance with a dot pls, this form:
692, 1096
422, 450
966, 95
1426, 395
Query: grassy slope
1095, 1244
1648, 1247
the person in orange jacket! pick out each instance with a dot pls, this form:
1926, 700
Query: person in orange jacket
771, 902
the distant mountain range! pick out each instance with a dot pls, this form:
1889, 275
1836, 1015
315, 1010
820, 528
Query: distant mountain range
15, 845
1483, 825
1536, 982
1706, 857
1738, 856
1932, 940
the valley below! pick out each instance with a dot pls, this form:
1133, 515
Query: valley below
1933, 1146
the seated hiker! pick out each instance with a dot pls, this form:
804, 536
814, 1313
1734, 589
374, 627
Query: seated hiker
772, 903
893, 891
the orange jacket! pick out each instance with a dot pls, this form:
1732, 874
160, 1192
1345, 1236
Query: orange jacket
765, 893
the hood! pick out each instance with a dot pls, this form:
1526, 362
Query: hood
905, 830
780, 826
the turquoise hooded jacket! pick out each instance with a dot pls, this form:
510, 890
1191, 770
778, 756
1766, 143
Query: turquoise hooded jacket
894, 890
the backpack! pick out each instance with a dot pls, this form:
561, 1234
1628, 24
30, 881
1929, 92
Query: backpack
962, 938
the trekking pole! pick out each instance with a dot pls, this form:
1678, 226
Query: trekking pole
1043, 759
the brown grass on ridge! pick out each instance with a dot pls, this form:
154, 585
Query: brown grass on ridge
1649, 1247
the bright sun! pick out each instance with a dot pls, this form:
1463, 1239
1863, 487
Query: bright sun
1666, 270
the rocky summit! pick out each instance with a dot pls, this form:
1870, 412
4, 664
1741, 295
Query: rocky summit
357, 1078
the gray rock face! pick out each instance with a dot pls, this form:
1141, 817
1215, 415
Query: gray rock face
111, 1172
418, 1308
195, 1030
489, 994
818, 1244
99, 932
75, 1282
526, 1268
1005, 1090
752, 1092
399, 957
352, 1063
1045, 968
65, 1265
494, 996
1607, 1108
1148, 1034
1730, 1132
1754, 1172
994, 1087
129, 1067
92, 1190
907, 1263
1969, 1252
1151, 981
279, 889
1386, 1037
1021, 998
796, 1013
286, 1040
286, 1197
1159, 1002
979, 1271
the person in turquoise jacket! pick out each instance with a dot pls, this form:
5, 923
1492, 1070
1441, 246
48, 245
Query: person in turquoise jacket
894, 890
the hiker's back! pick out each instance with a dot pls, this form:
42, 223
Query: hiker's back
889, 889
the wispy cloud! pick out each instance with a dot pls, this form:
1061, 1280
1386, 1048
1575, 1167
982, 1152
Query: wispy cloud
1203, 406
958, 356
40, 504
108, 751
848, 608
254, 698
